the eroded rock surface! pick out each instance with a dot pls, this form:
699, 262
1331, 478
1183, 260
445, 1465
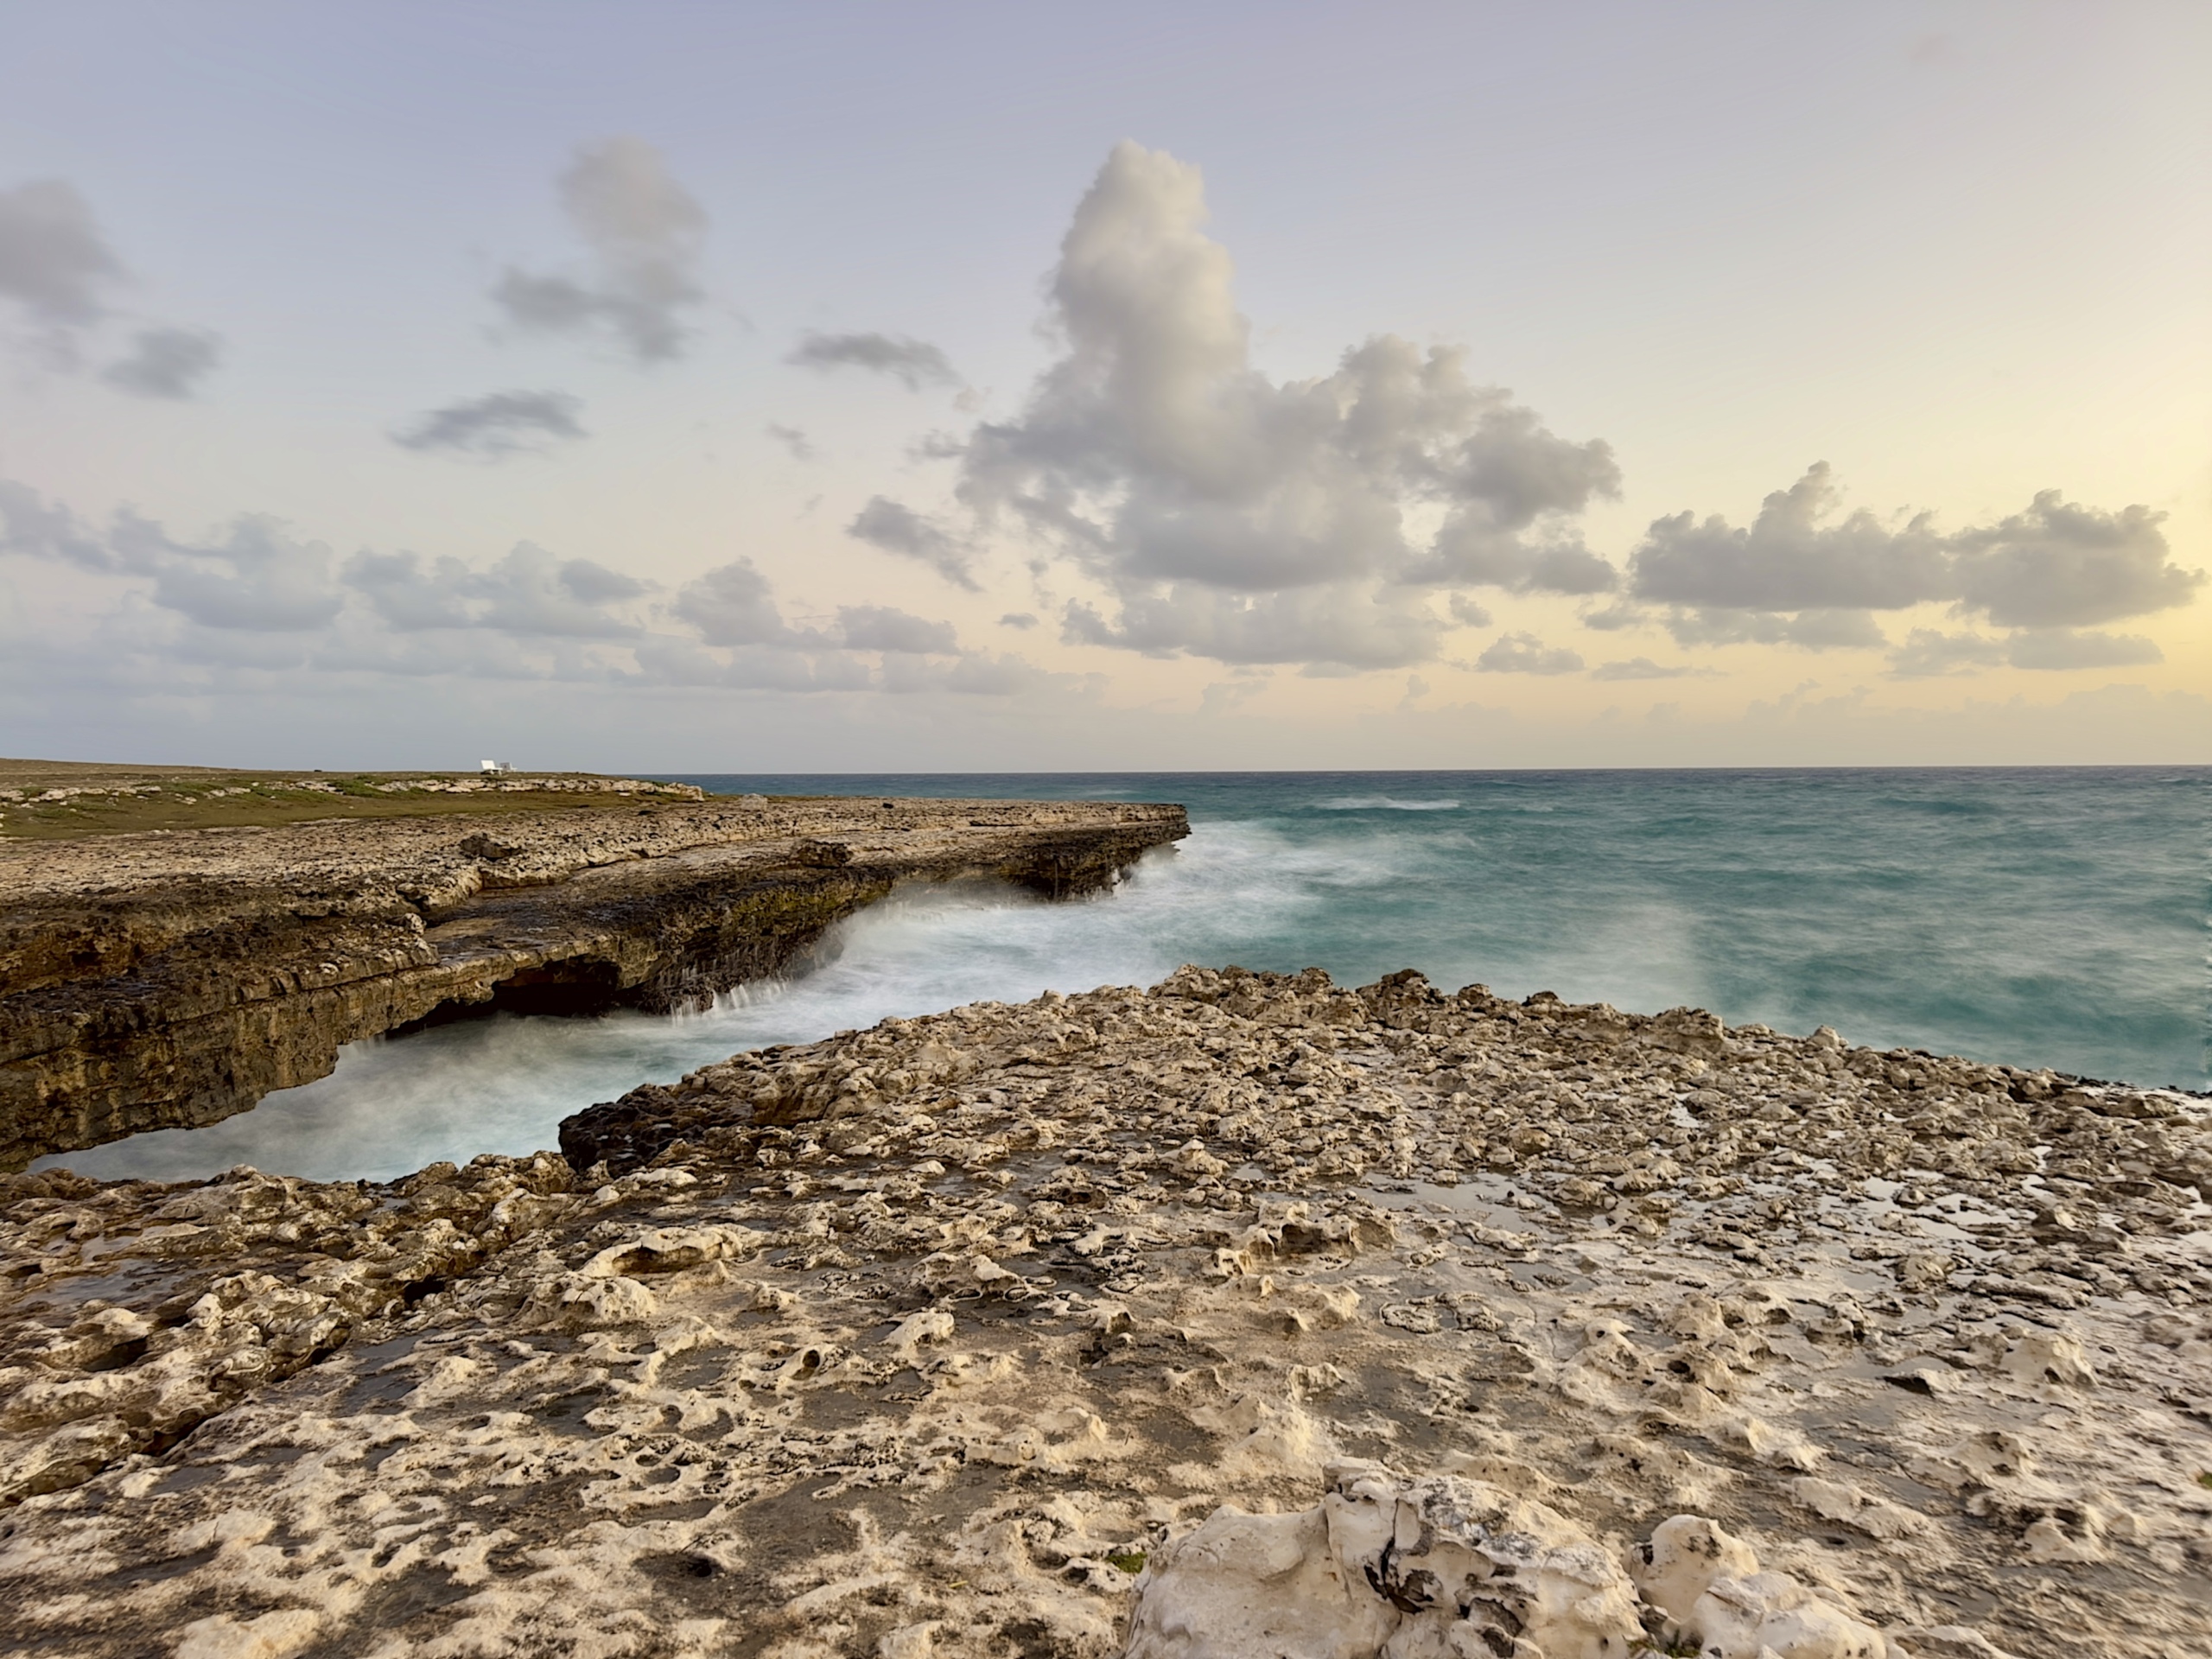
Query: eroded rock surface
169, 980
1519, 1329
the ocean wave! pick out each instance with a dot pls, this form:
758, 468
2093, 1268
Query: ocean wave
1382, 803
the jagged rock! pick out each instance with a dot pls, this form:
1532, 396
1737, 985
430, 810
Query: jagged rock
978, 1332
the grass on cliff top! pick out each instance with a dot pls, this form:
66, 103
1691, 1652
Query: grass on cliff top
104, 800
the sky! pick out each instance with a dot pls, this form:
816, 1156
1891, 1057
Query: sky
726, 388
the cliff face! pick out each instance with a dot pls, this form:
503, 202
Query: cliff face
165, 981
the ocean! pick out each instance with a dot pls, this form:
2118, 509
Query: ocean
2040, 917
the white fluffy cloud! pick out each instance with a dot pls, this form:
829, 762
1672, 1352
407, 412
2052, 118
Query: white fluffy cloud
1228, 515
645, 234
1802, 573
496, 425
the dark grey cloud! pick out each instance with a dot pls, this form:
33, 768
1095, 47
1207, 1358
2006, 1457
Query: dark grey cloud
880, 627
1524, 653
913, 363
645, 234
1802, 574
1156, 458
496, 425
1467, 614
1928, 652
53, 261
56, 265
1018, 620
793, 440
897, 528
165, 362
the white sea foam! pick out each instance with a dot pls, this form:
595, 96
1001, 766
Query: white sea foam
1382, 803
504, 1083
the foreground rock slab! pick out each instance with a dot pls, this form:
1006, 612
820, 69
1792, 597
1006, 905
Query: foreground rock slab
1246, 1316
165, 980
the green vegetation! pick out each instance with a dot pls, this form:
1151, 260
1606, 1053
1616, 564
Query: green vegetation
1131, 1561
43, 801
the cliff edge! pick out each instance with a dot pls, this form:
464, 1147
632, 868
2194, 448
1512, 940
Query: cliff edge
172, 978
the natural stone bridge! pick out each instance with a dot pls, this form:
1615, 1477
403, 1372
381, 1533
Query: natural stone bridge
169, 980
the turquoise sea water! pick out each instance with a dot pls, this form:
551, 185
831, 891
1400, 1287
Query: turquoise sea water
2039, 917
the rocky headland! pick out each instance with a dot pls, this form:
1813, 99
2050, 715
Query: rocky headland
170, 978
1247, 1317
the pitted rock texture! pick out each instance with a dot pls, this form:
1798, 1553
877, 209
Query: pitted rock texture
977, 1333
167, 980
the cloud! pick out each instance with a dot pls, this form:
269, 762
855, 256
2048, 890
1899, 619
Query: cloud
1643, 668
878, 628
1312, 626
898, 529
1524, 653
1814, 630
1018, 620
1467, 614
913, 363
1799, 574
1928, 652
258, 578
53, 261
410, 596
2066, 648
2061, 565
733, 605
529, 593
32, 527
257, 599
645, 232
792, 439
1201, 495
497, 424
533, 592
165, 362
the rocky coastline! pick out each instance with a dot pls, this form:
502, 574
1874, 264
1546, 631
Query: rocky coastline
169, 979
1248, 1315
